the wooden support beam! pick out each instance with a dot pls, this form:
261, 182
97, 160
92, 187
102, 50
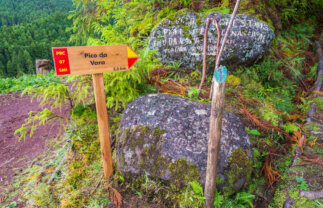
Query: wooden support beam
102, 116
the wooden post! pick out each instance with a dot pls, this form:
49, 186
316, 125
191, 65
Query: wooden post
95, 60
217, 106
103, 123
214, 141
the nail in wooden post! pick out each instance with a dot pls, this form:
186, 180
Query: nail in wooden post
103, 123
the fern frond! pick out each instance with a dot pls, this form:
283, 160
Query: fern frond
35, 120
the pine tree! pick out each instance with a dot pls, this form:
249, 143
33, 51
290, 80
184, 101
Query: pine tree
2, 70
11, 70
20, 63
29, 66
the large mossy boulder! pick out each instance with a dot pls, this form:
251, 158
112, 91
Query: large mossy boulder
166, 137
180, 38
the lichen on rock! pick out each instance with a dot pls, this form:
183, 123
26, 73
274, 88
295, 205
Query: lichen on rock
166, 137
180, 38
141, 150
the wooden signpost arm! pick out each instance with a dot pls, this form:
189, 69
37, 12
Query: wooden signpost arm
102, 116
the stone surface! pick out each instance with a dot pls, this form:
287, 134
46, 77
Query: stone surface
158, 130
180, 38
43, 66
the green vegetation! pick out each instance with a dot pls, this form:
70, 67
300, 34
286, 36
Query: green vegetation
14, 12
302, 183
16, 84
30, 41
270, 98
293, 181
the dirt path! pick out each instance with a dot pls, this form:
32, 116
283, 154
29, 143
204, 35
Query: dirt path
15, 154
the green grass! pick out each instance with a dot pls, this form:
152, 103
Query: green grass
16, 84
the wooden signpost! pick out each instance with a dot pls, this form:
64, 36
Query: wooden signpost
96, 60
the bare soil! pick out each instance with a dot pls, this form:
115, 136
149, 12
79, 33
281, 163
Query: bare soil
14, 154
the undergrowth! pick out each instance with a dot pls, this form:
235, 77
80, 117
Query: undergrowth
27, 80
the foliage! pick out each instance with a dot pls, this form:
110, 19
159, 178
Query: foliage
44, 197
27, 42
290, 127
241, 200
233, 80
302, 183
192, 196
36, 119
13, 12
127, 22
16, 84
306, 103
281, 14
13, 205
81, 173
253, 131
98, 203
52, 98
193, 93
267, 83
116, 22
292, 11
123, 87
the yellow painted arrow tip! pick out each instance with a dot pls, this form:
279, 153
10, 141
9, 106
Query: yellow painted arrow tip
131, 53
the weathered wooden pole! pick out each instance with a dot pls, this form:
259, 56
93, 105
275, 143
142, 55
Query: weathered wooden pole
102, 116
214, 141
218, 93
204, 56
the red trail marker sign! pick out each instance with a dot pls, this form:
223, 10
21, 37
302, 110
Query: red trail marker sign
95, 60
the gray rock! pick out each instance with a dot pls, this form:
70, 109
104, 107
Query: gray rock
180, 38
166, 137
43, 66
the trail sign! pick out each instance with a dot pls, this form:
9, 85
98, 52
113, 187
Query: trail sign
96, 60
93, 59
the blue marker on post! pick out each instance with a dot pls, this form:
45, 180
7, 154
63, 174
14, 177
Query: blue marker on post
220, 74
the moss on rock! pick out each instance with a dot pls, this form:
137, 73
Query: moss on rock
141, 150
145, 145
238, 171
182, 172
